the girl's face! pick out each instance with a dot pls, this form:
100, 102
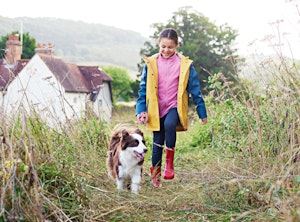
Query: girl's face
167, 47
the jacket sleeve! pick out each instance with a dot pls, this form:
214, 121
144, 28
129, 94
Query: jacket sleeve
193, 88
141, 101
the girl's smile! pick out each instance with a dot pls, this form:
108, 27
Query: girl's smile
167, 47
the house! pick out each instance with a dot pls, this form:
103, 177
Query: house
58, 91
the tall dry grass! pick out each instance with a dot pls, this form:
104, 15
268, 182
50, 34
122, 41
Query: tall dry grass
242, 166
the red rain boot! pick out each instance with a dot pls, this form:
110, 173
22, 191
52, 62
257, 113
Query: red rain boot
169, 170
155, 175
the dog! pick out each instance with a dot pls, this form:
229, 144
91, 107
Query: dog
125, 158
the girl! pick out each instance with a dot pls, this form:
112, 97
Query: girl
168, 78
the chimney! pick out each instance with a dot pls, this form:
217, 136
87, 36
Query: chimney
13, 49
47, 49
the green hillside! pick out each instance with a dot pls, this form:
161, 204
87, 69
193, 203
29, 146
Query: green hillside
80, 42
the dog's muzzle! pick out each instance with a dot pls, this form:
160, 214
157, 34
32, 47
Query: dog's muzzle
140, 156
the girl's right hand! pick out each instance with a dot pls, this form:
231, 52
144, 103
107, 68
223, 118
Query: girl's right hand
142, 118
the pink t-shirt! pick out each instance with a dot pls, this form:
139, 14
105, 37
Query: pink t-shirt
168, 78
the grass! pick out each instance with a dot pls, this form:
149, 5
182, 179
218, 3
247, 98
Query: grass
243, 165
217, 179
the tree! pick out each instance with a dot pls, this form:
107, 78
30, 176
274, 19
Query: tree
209, 46
29, 45
121, 84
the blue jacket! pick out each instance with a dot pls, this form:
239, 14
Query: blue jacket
188, 84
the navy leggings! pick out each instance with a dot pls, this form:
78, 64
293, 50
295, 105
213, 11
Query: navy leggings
167, 133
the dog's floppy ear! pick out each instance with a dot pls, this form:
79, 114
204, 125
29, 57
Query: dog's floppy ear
124, 142
138, 131
124, 133
114, 140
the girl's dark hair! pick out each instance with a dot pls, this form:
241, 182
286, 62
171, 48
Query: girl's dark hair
170, 34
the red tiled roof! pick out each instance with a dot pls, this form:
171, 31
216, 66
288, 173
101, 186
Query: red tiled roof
73, 78
94, 76
67, 74
9, 72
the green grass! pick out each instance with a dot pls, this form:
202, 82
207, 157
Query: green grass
243, 165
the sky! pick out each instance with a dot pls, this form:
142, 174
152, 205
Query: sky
254, 20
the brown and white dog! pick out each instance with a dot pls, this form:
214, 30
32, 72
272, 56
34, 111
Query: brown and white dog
125, 157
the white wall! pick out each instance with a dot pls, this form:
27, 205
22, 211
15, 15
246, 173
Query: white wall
103, 104
1, 98
1, 103
76, 104
35, 88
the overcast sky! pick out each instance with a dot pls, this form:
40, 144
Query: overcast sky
252, 19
